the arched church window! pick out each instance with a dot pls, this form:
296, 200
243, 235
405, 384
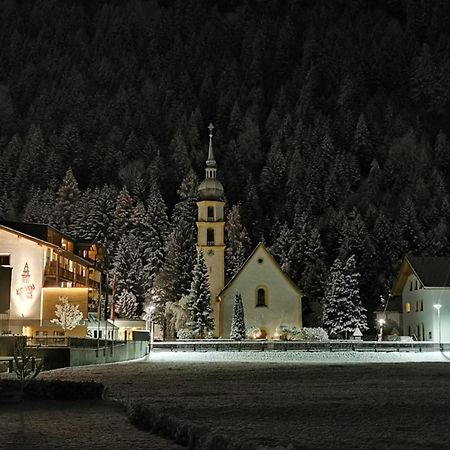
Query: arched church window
261, 297
210, 236
210, 213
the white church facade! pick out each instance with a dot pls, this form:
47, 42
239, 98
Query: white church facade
270, 298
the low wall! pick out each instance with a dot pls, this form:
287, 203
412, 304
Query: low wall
7, 344
120, 352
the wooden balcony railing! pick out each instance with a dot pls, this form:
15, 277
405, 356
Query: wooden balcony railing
66, 274
50, 269
80, 278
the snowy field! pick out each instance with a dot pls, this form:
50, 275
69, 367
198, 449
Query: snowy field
292, 399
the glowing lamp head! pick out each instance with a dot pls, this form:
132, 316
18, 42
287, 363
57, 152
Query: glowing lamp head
381, 322
437, 306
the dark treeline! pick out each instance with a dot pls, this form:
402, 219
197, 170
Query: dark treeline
331, 117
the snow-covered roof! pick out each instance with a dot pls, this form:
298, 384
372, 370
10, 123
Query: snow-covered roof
431, 271
274, 262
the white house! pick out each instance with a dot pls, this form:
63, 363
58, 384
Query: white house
424, 286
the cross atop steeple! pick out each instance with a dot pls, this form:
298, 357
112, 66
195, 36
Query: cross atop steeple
210, 162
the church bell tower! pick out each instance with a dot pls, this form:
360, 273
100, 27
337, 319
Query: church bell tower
210, 229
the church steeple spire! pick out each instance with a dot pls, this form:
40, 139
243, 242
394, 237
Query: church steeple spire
211, 188
210, 162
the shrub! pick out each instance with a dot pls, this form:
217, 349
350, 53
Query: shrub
304, 334
57, 389
186, 333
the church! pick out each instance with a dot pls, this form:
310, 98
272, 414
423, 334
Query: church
270, 298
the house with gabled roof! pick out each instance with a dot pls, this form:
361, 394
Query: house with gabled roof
270, 298
423, 284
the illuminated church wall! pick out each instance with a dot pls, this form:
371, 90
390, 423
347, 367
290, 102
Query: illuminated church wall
27, 261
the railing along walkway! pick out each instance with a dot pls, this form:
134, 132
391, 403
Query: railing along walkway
305, 346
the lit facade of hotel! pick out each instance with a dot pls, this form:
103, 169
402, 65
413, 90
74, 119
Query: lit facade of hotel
44, 264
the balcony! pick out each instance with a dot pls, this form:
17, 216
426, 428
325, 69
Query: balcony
50, 269
210, 243
66, 274
80, 278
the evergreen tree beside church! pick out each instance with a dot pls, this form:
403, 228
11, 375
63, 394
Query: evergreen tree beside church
199, 301
238, 322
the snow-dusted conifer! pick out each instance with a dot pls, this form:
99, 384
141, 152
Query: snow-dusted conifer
68, 316
281, 248
66, 200
238, 242
358, 317
199, 301
157, 233
39, 208
238, 320
122, 215
342, 308
180, 250
128, 270
126, 305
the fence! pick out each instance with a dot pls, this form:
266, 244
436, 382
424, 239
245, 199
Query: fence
67, 341
305, 346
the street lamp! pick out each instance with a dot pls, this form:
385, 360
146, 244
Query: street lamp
150, 310
438, 307
381, 322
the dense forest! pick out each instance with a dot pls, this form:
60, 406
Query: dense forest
331, 123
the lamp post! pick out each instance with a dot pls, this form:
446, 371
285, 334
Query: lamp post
438, 307
381, 322
150, 324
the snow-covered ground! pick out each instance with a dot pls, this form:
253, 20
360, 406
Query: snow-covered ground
325, 357
292, 399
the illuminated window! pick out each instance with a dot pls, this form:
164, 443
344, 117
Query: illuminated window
261, 297
408, 307
4, 260
209, 236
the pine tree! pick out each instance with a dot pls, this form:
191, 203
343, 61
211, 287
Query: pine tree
342, 308
199, 301
180, 250
66, 201
238, 321
128, 270
157, 234
281, 248
237, 243
126, 305
122, 216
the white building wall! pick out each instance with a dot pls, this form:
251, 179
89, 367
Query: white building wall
25, 292
428, 315
283, 302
